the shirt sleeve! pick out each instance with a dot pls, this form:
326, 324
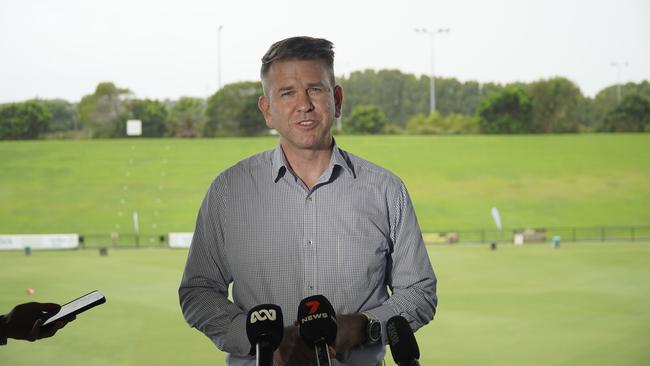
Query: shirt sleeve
203, 291
410, 275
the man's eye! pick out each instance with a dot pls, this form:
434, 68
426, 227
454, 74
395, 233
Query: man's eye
287, 93
314, 91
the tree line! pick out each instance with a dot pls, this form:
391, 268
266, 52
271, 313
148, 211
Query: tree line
376, 102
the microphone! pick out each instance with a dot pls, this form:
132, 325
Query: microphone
317, 326
264, 328
402, 342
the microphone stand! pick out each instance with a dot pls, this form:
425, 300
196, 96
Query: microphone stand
263, 354
322, 354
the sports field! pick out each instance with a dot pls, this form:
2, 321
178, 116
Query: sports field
582, 304
535, 181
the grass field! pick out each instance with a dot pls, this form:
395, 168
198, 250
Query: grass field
535, 181
582, 304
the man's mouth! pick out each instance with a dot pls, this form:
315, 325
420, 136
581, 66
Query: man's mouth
307, 123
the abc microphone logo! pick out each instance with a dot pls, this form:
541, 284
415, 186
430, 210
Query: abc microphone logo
263, 315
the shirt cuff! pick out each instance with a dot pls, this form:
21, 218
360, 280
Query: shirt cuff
237, 342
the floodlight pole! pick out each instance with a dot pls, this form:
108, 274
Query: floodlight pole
618, 67
432, 82
219, 56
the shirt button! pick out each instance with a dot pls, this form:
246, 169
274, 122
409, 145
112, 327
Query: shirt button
310, 242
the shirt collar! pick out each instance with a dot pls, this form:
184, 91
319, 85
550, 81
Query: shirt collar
339, 158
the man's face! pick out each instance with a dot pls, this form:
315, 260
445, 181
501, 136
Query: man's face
301, 104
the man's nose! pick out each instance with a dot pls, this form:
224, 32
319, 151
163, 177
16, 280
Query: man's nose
304, 102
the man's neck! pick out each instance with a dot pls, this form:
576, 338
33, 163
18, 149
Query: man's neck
308, 165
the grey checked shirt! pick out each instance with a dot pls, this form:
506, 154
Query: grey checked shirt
350, 238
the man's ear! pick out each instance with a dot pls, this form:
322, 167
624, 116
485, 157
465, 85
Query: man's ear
338, 100
263, 105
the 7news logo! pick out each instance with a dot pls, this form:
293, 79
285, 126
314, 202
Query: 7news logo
313, 308
262, 315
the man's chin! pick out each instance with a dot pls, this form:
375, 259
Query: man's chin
313, 144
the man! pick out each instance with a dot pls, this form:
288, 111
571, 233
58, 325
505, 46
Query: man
24, 322
302, 219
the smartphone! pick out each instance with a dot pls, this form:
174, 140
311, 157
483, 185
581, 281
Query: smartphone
77, 306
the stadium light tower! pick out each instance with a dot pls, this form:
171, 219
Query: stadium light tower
219, 55
619, 66
432, 83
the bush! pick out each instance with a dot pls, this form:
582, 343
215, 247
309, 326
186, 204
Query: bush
507, 111
631, 115
437, 124
25, 120
365, 119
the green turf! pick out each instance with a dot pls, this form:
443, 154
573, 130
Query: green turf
536, 181
582, 304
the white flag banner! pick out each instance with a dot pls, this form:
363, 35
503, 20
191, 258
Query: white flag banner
136, 222
497, 218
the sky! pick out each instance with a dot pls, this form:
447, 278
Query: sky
164, 49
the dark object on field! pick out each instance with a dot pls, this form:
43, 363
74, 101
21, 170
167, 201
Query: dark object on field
28, 250
493, 245
103, 251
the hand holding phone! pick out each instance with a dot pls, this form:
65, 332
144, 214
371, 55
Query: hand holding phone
70, 310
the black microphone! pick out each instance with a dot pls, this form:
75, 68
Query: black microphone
317, 326
264, 328
402, 342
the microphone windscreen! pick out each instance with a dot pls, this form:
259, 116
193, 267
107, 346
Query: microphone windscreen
265, 323
317, 320
402, 341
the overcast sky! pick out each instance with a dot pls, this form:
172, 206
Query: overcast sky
167, 49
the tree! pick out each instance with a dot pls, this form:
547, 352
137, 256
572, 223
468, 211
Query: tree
631, 115
453, 96
402, 96
232, 111
186, 117
152, 113
607, 100
25, 120
507, 111
101, 111
365, 119
556, 105
398, 95
65, 116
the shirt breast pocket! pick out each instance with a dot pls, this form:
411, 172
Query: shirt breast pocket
361, 262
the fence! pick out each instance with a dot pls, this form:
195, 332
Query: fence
566, 234
122, 240
471, 236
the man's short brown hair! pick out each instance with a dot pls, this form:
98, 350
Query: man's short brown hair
299, 48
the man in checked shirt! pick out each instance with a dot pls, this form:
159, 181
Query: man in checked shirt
303, 219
